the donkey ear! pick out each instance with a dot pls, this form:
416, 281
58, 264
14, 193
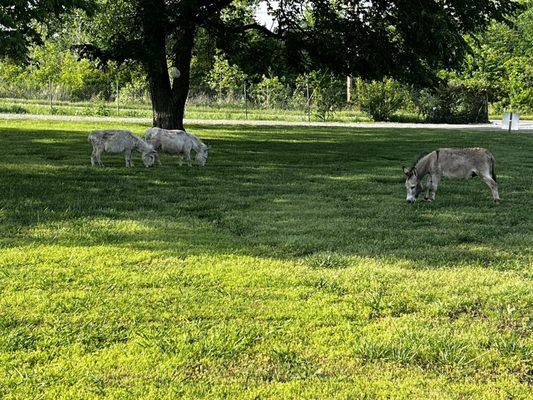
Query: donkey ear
406, 170
414, 171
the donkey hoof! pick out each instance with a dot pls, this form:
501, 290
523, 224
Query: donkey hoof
497, 201
428, 200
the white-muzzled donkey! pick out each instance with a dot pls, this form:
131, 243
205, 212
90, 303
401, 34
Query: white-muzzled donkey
125, 142
450, 163
177, 142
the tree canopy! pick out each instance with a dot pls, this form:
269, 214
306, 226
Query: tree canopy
22, 22
410, 40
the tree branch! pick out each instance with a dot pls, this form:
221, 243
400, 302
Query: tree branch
128, 50
259, 28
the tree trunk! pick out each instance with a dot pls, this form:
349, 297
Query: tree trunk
168, 102
182, 57
154, 20
165, 111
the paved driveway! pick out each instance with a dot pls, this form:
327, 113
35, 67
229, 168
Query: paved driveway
492, 126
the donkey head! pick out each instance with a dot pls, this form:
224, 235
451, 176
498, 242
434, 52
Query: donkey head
201, 155
148, 157
413, 184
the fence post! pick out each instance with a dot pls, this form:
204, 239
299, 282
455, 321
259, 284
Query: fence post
118, 103
245, 102
349, 85
50, 93
308, 104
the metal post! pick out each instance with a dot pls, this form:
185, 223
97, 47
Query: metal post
510, 121
308, 101
245, 103
118, 102
50, 93
349, 84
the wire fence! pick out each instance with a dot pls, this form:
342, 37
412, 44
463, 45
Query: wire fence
241, 101
267, 100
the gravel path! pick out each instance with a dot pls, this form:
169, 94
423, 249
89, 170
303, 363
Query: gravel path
492, 126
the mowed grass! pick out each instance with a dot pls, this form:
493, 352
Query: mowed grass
290, 267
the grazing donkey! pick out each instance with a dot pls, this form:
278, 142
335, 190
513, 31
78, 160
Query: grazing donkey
450, 163
120, 142
177, 142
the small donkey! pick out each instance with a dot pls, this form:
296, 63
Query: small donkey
125, 142
178, 142
450, 163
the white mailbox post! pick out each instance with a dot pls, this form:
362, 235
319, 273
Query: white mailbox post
510, 121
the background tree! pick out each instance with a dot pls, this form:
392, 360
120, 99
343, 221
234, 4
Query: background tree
501, 62
23, 22
373, 39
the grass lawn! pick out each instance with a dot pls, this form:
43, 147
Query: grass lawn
290, 267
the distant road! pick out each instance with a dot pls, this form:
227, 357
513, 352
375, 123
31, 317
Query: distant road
492, 126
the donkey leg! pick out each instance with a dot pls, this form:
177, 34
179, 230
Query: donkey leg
434, 183
93, 158
428, 187
98, 157
187, 157
127, 157
493, 186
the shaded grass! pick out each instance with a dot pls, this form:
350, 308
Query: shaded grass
288, 267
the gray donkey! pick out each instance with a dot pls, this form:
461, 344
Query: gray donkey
178, 142
125, 142
450, 163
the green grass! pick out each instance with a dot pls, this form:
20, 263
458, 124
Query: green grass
289, 267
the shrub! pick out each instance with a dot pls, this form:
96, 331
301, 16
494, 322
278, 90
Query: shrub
134, 92
102, 110
520, 72
327, 93
451, 103
270, 92
14, 109
224, 78
381, 99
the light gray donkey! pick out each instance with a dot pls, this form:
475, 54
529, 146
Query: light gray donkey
125, 142
450, 163
178, 142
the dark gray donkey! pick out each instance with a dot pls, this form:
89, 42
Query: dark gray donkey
450, 163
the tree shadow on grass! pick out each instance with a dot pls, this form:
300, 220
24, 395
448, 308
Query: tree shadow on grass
265, 192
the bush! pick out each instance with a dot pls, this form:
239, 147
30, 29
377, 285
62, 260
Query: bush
102, 110
14, 109
520, 73
327, 93
381, 99
452, 104
270, 92
135, 91
224, 78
